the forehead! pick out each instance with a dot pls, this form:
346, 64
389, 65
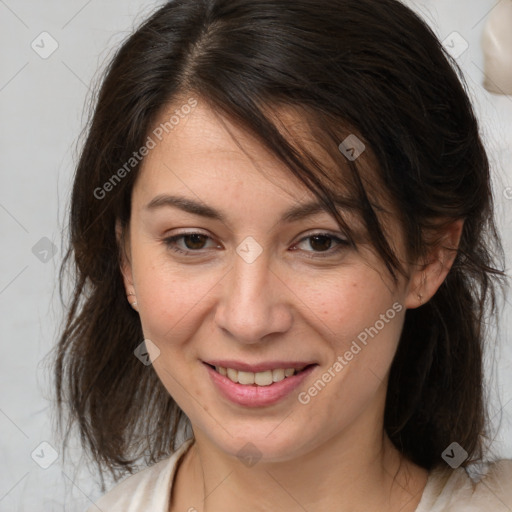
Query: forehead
208, 151
205, 156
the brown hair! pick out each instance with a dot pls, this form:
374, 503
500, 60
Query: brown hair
364, 67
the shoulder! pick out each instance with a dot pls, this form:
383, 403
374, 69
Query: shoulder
148, 489
479, 487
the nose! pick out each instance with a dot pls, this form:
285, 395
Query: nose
255, 302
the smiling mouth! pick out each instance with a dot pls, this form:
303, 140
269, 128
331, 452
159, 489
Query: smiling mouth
264, 378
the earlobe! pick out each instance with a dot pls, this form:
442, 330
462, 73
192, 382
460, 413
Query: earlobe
430, 275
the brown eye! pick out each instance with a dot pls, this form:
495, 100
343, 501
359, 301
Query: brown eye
192, 242
322, 243
195, 241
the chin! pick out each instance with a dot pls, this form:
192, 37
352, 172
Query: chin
261, 445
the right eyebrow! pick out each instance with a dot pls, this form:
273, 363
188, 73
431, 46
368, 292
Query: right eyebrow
185, 204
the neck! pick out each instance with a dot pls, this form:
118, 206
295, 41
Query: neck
355, 470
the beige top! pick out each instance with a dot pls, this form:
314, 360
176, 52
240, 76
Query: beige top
447, 490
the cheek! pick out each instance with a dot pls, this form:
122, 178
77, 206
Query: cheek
361, 320
347, 304
170, 297
362, 330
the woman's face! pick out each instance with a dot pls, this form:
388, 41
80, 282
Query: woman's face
255, 291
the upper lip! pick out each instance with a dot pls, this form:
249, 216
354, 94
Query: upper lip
259, 367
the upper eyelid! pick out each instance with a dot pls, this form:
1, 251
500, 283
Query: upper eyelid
337, 236
317, 231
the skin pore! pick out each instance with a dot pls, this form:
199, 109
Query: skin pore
294, 302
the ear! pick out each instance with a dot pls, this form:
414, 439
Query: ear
123, 242
428, 276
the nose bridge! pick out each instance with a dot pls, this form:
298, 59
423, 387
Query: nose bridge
250, 270
250, 279
252, 305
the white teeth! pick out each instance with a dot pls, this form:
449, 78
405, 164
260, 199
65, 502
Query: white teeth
259, 378
232, 374
278, 375
245, 377
263, 378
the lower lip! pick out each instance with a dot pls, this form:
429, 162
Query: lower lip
257, 396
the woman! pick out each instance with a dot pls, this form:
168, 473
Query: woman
283, 234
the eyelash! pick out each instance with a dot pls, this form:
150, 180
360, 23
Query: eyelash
342, 244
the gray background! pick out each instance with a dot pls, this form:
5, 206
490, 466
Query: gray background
42, 102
